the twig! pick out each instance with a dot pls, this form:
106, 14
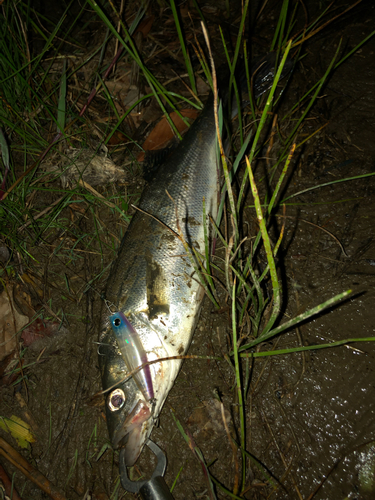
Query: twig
314, 32
283, 459
29, 471
158, 220
322, 228
310, 497
300, 341
95, 193
234, 450
7, 486
219, 139
40, 214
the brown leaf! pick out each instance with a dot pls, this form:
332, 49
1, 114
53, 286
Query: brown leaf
117, 138
207, 420
8, 372
34, 283
38, 330
162, 134
11, 321
23, 300
145, 26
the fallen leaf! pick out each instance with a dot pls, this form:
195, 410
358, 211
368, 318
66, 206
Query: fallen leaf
4, 253
8, 368
207, 420
39, 329
23, 299
20, 430
145, 26
78, 208
34, 284
202, 87
120, 85
11, 322
162, 133
118, 138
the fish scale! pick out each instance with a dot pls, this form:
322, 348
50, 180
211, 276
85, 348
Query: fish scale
153, 283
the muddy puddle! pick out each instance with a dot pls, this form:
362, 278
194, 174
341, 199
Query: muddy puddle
310, 416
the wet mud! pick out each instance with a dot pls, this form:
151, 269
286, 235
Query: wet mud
310, 416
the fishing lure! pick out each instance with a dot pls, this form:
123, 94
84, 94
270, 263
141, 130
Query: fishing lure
133, 353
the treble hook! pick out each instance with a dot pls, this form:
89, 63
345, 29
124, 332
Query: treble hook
110, 304
98, 348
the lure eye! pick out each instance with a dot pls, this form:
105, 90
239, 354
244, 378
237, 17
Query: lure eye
117, 322
116, 400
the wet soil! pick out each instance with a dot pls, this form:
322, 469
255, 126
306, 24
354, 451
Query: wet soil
310, 417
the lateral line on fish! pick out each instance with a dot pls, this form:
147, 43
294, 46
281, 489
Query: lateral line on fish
179, 236
189, 250
192, 252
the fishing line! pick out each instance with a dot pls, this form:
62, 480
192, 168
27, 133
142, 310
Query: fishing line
154, 361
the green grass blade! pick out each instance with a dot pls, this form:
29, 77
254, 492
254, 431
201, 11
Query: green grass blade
184, 50
292, 350
280, 28
270, 259
280, 181
237, 365
198, 454
61, 108
4, 149
297, 319
362, 176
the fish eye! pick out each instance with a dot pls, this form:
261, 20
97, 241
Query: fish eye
116, 399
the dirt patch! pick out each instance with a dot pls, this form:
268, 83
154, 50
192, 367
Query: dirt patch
310, 416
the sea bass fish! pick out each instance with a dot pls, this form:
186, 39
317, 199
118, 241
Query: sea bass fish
153, 291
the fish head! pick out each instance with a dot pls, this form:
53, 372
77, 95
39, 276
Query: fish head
130, 430
130, 416
133, 397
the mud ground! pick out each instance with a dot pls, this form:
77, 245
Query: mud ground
311, 417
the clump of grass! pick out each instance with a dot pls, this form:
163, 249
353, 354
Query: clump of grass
38, 121
32, 111
244, 285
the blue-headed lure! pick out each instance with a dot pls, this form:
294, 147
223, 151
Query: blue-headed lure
133, 353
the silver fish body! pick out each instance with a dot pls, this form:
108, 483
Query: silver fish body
154, 285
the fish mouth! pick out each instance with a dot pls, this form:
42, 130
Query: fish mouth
133, 432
